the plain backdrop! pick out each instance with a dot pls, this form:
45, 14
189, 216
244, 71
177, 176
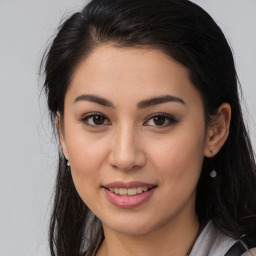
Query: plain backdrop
27, 146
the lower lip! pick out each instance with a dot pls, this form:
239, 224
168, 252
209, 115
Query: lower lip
128, 201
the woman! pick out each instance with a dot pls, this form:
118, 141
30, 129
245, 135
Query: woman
155, 158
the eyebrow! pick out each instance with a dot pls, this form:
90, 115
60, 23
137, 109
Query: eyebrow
159, 100
142, 104
95, 99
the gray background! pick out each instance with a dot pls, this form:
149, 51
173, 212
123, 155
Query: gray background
27, 148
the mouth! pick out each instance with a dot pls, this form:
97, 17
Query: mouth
129, 195
122, 191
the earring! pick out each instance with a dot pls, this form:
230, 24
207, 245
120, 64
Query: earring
213, 173
68, 164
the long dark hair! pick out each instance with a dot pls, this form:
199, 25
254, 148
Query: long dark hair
188, 34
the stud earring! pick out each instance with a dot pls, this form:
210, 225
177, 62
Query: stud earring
68, 164
213, 173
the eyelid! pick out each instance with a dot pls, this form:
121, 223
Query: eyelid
92, 114
169, 117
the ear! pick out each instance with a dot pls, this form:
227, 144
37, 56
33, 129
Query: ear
60, 130
218, 130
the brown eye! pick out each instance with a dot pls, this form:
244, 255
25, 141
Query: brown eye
95, 120
98, 120
160, 120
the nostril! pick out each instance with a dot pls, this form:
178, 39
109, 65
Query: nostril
123, 163
126, 155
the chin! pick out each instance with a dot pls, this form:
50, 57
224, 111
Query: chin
132, 230
135, 226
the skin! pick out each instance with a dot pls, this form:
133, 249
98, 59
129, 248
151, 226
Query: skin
131, 146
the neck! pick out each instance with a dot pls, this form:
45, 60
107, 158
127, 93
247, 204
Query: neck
174, 238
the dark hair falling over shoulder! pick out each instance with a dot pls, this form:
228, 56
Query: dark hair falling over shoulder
188, 34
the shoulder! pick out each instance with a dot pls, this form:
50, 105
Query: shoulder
245, 246
213, 242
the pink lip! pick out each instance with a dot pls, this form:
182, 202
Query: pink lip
128, 201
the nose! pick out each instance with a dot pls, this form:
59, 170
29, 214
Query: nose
126, 151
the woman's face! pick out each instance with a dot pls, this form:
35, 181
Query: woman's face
135, 135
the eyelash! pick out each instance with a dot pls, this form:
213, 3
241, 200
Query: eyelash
170, 119
91, 115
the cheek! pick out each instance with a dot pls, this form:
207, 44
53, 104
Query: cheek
86, 151
179, 157
86, 155
178, 166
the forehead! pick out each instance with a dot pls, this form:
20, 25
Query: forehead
135, 72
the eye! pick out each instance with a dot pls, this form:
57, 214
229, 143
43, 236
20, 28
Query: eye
160, 120
95, 119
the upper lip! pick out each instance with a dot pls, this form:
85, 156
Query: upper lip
132, 184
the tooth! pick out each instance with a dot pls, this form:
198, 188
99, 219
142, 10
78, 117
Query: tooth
139, 190
122, 191
131, 191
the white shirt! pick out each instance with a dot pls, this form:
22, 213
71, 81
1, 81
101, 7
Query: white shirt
212, 242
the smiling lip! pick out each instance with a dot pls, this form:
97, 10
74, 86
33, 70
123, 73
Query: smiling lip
125, 200
132, 184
